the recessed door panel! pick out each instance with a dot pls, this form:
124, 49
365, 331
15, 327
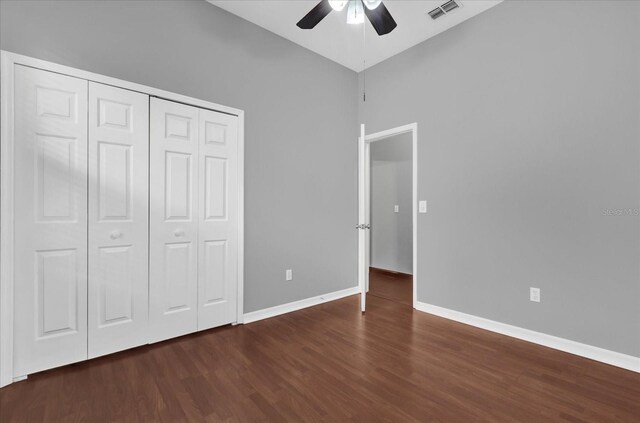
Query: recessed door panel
215, 279
115, 115
215, 132
178, 127
57, 292
116, 290
215, 190
114, 181
56, 103
55, 177
118, 219
176, 270
178, 185
50, 225
218, 222
173, 249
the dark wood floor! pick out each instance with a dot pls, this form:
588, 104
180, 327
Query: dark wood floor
330, 363
392, 286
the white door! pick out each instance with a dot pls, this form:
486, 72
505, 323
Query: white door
173, 220
50, 220
218, 228
363, 217
118, 219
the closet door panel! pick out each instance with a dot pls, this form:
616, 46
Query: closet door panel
173, 301
218, 222
50, 221
118, 219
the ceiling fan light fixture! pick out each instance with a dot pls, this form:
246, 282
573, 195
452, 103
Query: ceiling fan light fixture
355, 12
372, 4
375, 11
338, 5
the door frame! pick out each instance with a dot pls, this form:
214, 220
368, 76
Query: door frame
8, 61
379, 136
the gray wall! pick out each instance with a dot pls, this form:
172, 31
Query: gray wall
391, 179
301, 193
529, 133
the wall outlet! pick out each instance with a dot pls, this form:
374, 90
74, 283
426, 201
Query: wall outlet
422, 206
289, 275
396, 208
534, 294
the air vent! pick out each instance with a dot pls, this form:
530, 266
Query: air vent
449, 6
436, 13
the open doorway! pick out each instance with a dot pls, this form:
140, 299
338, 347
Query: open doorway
391, 240
388, 215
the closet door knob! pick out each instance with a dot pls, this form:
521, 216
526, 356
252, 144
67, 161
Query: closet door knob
178, 233
115, 234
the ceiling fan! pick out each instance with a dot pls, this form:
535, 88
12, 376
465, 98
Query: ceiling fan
377, 13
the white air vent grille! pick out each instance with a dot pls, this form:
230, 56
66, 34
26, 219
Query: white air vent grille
436, 13
445, 8
449, 6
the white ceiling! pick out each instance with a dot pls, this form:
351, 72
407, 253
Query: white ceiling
346, 44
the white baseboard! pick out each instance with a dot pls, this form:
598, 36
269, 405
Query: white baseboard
298, 305
613, 358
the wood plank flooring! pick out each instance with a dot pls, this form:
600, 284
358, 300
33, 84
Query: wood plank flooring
392, 286
329, 363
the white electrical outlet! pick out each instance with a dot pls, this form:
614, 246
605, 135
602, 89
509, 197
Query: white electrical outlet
289, 275
534, 294
396, 208
422, 206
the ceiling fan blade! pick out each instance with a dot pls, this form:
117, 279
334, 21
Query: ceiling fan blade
317, 14
381, 19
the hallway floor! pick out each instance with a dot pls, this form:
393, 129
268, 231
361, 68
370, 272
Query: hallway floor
392, 286
331, 363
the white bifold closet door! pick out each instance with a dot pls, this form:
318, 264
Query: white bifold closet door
118, 219
218, 220
126, 223
50, 267
173, 225
194, 224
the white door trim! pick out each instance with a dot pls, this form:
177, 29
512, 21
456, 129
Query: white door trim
6, 222
8, 60
363, 239
413, 129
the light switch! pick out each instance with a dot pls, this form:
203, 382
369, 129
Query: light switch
396, 208
422, 206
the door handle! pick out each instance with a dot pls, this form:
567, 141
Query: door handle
178, 233
115, 234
